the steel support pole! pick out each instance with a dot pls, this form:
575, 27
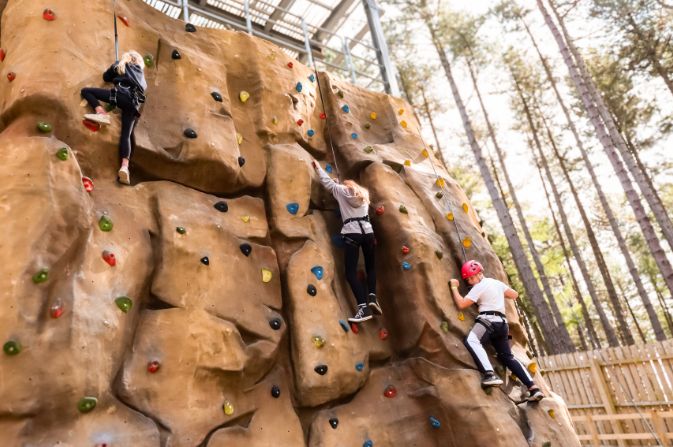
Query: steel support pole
379, 41
248, 19
185, 10
348, 59
307, 43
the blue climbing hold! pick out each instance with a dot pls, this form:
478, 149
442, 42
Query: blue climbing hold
311, 77
292, 208
434, 422
368, 443
317, 271
359, 366
344, 325
354, 136
406, 265
311, 132
337, 240
345, 108
328, 168
299, 87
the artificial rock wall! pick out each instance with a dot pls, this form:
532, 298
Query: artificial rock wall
206, 304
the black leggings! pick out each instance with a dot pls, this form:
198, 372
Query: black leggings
129, 114
353, 243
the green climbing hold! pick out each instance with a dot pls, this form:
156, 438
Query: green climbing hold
403, 209
44, 127
546, 444
12, 347
444, 326
149, 60
439, 194
87, 404
367, 125
41, 276
105, 223
62, 153
439, 254
181, 230
368, 149
318, 341
124, 303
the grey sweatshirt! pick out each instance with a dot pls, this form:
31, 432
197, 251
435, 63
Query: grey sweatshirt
349, 204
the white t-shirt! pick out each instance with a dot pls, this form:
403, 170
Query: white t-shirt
489, 294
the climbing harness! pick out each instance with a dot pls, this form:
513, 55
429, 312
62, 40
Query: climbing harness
329, 134
359, 220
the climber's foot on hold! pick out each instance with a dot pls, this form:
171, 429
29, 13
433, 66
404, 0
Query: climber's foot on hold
535, 394
101, 118
374, 305
490, 379
124, 176
363, 314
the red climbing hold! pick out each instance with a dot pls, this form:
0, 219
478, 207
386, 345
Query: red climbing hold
48, 15
355, 328
383, 333
390, 391
380, 210
109, 257
91, 125
405, 250
153, 366
125, 20
11, 76
323, 116
88, 184
300, 122
2, 55
290, 65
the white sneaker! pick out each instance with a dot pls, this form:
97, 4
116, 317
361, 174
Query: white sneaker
101, 118
124, 175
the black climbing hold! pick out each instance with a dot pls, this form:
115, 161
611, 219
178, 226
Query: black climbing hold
275, 391
205, 260
246, 249
216, 96
334, 422
190, 133
176, 54
241, 161
275, 323
221, 206
190, 28
311, 290
321, 369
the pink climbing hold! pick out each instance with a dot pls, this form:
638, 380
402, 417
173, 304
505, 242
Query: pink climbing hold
88, 184
91, 125
110, 258
48, 15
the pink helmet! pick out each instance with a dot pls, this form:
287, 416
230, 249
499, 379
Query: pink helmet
471, 268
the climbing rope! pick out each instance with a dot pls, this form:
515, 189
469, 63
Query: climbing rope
328, 133
114, 13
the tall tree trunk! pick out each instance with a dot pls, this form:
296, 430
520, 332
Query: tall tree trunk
550, 330
426, 108
633, 315
662, 303
609, 331
519, 212
632, 196
609, 214
593, 242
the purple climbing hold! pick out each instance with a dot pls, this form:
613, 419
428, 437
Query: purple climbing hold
292, 208
246, 248
221, 206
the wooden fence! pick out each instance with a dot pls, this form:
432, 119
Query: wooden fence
617, 396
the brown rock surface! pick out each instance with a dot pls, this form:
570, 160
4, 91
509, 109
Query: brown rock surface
204, 347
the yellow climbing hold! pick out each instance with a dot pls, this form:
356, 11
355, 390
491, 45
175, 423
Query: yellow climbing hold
440, 182
461, 316
551, 413
228, 408
449, 216
274, 120
245, 219
400, 111
467, 242
373, 115
318, 341
244, 96
465, 207
424, 152
266, 274
407, 162
532, 367
239, 138
403, 124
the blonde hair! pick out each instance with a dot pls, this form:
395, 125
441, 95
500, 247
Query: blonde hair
130, 57
358, 191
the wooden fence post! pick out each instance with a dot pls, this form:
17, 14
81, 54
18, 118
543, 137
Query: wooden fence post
604, 392
596, 441
659, 428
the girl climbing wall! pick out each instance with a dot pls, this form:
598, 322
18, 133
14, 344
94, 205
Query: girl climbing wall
357, 233
128, 94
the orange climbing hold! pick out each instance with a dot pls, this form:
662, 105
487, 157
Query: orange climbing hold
403, 124
407, 162
424, 152
467, 242
449, 216
461, 316
125, 20
465, 207
440, 182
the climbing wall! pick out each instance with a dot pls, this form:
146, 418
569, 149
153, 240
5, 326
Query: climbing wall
206, 304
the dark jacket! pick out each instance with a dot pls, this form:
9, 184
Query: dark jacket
131, 83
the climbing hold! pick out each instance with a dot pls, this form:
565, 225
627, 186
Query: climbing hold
434, 422
311, 290
153, 366
372, 115
403, 209
181, 230
368, 149
323, 116
124, 19
407, 162
290, 64
439, 194
12, 347
390, 391
228, 408
266, 274
310, 132
300, 122
292, 208
2, 55
328, 168
216, 96
367, 126
400, 112
105, 223
318, 341
467, 242
359, 366
318, 271
299, 87
274, 120
551, 413
461, 316
343, 325
110, 258
239, 138
311, 77
62, 154
532, 367
449, 216
91, 125
368, 443
245, 248
403, 124
334, 422
444, 326
243, 96
205, 260
380, 210
87, 183
176, 55
41, 276
241, 162
355, 328
340, 94
221, 206
245, 219
321, 369
440, 182
354, 136
383, 333
275, 391
275, 323
124, 303
190, 133
439, 254
345, 108
11, 76
48, 15
405, 250
44, 127
149, 60
465, 207
56, 309
546, 444
190, 28
425, 153
87, 404
406, 265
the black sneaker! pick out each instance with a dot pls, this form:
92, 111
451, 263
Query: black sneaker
491, 379
374, 305
363, 314
535, 395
